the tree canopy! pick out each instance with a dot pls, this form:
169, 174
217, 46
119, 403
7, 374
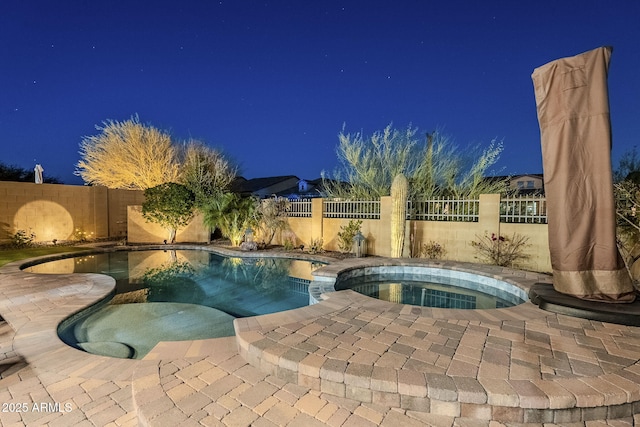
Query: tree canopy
134, 156
434, 166
170, 205
128, 155
627, 197
205, 171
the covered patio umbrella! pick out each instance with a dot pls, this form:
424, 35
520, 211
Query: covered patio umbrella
573, 111
38, 170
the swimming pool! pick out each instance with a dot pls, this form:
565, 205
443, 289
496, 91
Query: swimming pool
169, 295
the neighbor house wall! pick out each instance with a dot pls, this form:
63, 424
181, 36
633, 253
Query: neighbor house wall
56, 211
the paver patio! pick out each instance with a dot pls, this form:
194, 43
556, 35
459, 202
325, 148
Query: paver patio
347, 361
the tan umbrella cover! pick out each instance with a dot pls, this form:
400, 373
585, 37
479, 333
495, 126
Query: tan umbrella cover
573, 111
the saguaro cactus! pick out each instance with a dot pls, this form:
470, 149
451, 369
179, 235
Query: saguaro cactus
399, 192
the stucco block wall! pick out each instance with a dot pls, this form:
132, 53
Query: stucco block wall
378, 238
454, 236
118, 202
301, 228
537, 245
56, 211
142, 231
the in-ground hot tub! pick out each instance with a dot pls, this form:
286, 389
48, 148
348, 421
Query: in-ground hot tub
425, 286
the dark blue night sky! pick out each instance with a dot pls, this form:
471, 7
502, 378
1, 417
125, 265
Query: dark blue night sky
272, 83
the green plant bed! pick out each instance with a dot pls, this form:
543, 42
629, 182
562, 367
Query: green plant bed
10, 255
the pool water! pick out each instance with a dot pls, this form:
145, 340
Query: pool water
177, 295
443, 293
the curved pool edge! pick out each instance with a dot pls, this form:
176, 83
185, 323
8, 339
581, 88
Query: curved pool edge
447, 362
103, 285
325, 277
513, 398
220, 250
35, 304
53, 298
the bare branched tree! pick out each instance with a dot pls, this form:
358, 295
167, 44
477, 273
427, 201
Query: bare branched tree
626, 190
205, 171
127, 155
271, 218
471, 180
370, 164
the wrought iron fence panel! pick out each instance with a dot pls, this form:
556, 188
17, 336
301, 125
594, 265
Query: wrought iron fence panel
299, 208
444, 209
524, 210
355, 209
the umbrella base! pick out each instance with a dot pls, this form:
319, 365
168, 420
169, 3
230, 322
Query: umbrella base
544, 296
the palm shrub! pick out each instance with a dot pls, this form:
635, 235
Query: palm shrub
231, 214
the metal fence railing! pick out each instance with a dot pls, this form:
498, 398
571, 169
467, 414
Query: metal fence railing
299, 208
521, 209
444, 209
357, 209
525, 210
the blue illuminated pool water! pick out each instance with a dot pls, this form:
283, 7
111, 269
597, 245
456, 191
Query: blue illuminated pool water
177, 295
431, 287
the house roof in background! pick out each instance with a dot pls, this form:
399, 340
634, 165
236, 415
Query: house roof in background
242, 185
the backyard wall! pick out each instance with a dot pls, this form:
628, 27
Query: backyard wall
142, 231
314, 223
56, 211
454, 236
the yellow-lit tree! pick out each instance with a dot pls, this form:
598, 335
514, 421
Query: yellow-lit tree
128, 155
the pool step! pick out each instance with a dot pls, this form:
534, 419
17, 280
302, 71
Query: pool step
507, 365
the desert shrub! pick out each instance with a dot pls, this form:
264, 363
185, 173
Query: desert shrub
501, 250
432, 250
289, 241
81, 235
435, 167
205, 171
315, 247
346, 235
271, 217
23, 239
